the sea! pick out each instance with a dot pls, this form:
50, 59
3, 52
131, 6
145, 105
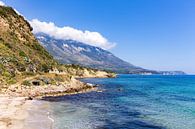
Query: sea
128, 102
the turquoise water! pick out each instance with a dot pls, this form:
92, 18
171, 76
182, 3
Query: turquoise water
129, 102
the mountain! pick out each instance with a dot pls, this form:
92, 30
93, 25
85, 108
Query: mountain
19, 50
27, 69
73, 52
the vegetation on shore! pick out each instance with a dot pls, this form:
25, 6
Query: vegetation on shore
20, 52
25, 66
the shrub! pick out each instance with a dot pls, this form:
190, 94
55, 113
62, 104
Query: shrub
45, 68
21, 53
8, 45
21, 67
26, 83
28, 73
6, 74
11, 81
59, 78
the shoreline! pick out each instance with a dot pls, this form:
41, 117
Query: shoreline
49, 85
73, 86
16, 112
18, 105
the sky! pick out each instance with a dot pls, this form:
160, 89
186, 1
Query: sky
153, 34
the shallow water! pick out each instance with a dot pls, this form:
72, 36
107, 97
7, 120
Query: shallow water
129, 102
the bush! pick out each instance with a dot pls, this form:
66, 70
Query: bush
45, 68
21, 53
8, 45
26, 83
11, 81
6, 74
59, 78
21, 67
28, 73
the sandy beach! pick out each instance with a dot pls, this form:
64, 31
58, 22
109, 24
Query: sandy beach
13, 112
19, 113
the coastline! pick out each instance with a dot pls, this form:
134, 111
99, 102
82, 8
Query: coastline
16, 110
19, 103
22, 113
72, 86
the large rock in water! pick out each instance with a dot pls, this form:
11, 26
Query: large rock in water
73, 52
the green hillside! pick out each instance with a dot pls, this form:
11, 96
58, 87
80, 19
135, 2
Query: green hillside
20, 52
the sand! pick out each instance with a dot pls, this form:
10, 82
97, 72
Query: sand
20, 113
13, 112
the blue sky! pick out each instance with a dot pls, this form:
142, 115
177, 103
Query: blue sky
154, 34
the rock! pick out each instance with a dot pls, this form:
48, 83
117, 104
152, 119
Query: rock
36, 83
120, 89
29, 98
45, 80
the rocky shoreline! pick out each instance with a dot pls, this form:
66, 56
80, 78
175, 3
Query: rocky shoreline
41, 86
17, 100
15, 110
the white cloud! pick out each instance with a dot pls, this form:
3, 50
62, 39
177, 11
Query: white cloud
2, 3
66, 32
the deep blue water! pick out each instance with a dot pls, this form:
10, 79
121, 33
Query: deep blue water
130, 102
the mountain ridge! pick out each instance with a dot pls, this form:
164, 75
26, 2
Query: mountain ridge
74, 52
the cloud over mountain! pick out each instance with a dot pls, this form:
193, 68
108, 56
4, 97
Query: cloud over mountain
66, 32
